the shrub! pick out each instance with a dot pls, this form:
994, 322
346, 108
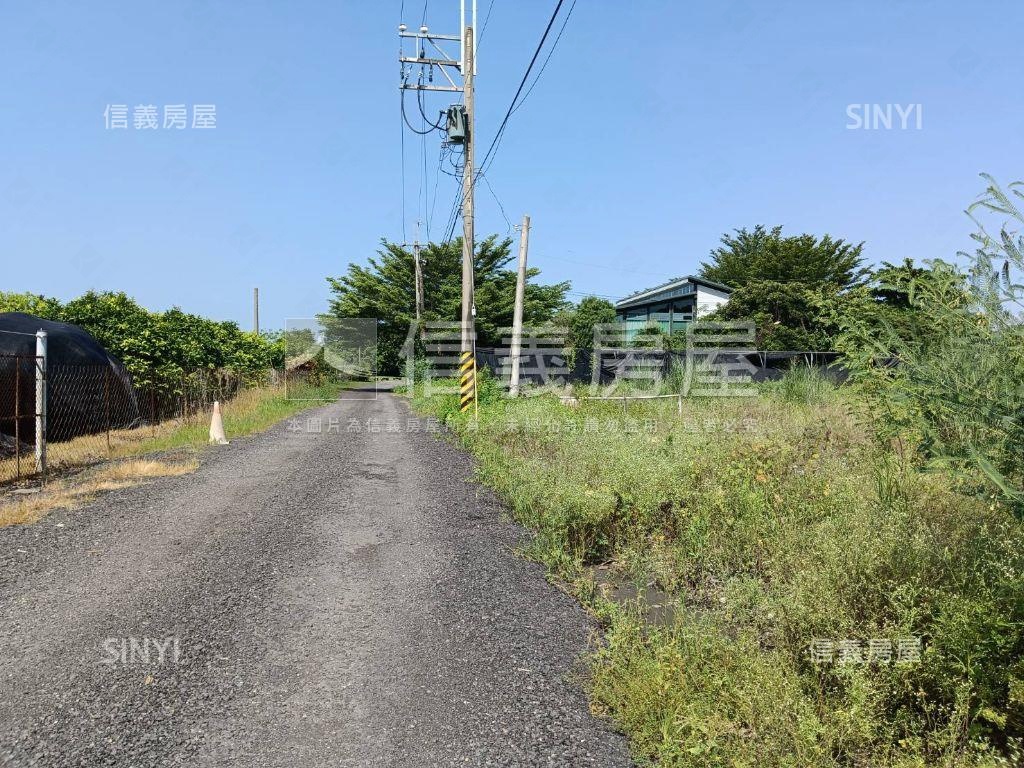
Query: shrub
957, 380
157, 348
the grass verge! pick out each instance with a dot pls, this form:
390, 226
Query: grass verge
833, 605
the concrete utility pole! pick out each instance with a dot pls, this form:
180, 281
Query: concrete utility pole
517, 317
460, 130
419, 285
467, 195
256, 310
419, 281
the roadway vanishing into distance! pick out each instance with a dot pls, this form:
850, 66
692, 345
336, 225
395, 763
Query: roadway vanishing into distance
305, 598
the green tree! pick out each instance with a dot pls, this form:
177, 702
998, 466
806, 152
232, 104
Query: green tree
156, 348
787, 316
130, 332
787, 285
886, 303
31, 304
890, 284
764, 254
385, 290
584, 316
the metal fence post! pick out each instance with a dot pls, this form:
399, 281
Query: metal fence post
17, 417
106, 401
41, 402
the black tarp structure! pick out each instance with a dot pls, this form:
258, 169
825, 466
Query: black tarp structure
88, 390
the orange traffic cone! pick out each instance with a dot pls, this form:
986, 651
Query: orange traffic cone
217, 426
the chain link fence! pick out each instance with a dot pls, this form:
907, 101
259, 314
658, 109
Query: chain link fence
95, 412
17, 416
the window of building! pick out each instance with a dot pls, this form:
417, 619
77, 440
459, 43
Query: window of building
660, 315
682, 314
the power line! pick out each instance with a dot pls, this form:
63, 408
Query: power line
500, 206
437, 179
422, 170
419, 101
584, 294
544, 66
491, 150
411, 127
426, 203
522, 83
483, 29
401, 129
591, 265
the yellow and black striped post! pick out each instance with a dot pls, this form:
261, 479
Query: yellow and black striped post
467, 381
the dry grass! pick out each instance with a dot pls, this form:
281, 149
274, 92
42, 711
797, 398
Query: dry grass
251, 410
71, 492
121, 460
90, 449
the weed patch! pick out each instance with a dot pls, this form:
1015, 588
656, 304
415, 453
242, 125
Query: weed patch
777, 526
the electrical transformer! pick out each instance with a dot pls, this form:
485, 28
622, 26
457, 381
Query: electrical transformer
457, 124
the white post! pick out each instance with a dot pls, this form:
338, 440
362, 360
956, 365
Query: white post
41, 402
517, 316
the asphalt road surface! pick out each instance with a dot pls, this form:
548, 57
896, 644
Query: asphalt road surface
306, 598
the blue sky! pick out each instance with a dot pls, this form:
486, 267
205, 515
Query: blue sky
656, 127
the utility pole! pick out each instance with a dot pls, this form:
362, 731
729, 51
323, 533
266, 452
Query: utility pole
467, 199
419, 287
517, 317
439, 60
418, 267
256, 311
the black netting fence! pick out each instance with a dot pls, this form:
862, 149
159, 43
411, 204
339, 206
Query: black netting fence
606, 366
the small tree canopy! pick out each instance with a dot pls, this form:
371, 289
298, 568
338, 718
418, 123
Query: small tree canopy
589, 312
155, 347
385, 290
764, 254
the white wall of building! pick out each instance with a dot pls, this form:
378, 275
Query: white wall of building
709, 299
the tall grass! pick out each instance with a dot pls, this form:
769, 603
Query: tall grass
771, 522
957, 390
803, 384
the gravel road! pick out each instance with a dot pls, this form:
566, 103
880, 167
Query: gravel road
331, 598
